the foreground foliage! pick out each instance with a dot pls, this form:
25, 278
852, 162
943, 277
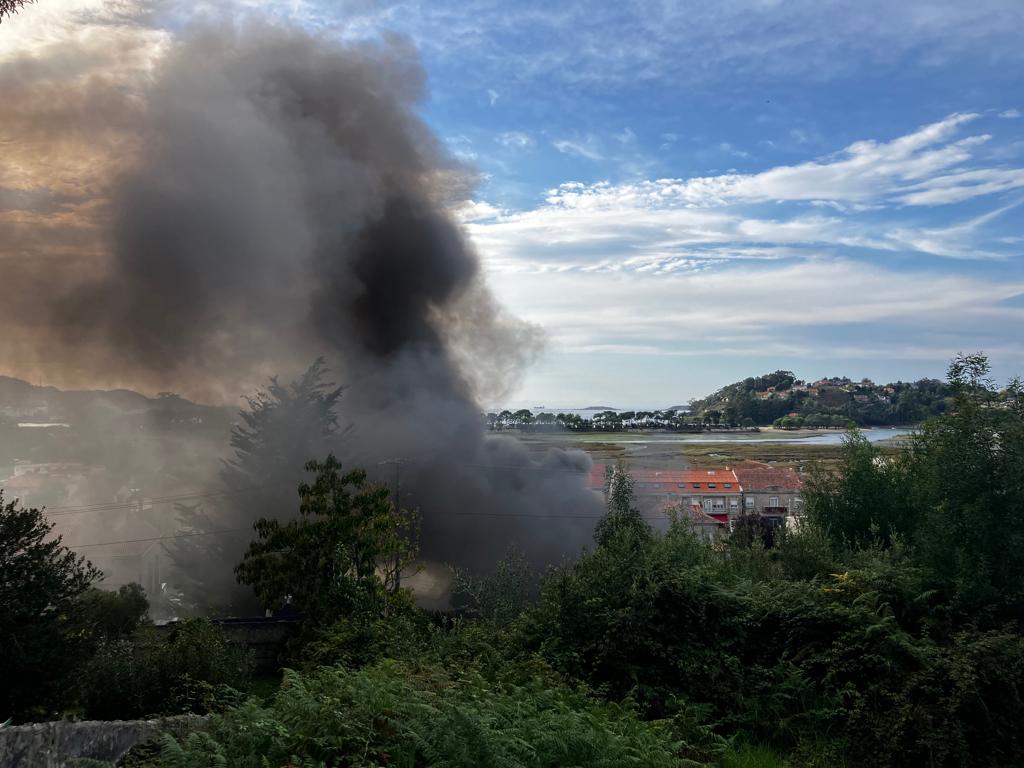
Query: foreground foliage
187, 668
885, 631
41, 581
396, 715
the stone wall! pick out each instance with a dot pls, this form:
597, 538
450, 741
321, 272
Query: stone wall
53, 744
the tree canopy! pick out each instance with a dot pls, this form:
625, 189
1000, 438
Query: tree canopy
343, 555
40, 582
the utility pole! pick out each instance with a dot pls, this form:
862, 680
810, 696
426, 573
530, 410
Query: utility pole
396, 501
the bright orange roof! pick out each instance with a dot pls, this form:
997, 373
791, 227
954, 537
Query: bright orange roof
677, 482
701, 481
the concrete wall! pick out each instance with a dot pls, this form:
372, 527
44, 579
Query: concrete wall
52, 745
762, 499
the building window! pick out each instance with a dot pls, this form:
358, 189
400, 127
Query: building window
750, 502
728, 485
734, 503
773, 501
712, 485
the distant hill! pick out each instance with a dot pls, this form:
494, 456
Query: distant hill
23, 401
782, 399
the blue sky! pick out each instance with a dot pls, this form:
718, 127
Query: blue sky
682, 194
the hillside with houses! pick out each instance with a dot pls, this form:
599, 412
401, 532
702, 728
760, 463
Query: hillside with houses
780, 398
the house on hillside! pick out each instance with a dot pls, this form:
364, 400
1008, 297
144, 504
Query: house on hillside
771, 492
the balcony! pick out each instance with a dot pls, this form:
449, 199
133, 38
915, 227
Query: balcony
780, 511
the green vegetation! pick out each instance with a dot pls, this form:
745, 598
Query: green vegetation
41, 581
282, 427
601, 421
885, 631
67, 647
343, 555
186, 668
783, 400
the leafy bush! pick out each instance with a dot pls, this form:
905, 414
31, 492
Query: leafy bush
189, 669
389, 714
108, 614
502, 595
858, 665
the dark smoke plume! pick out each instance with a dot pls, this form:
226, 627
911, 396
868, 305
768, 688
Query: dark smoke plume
286, 201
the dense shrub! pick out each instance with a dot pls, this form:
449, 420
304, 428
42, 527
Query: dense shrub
389, 714
843, 666
41, 582
185, 669
107, 614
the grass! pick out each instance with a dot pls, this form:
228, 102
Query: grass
749, 756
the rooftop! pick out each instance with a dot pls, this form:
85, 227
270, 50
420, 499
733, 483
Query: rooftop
758, 476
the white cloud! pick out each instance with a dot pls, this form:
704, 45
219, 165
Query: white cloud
492, 96
926, 167
681, 313
627, 137
476, 210
515, 139
725, 146
610, 44
578, 149
1010, 114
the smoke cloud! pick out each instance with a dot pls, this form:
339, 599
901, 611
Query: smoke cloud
264, 196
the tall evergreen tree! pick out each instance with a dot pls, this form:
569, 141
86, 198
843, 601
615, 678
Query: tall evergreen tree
621, 519
282, 428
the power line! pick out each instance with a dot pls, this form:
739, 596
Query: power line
115, 505
195, 496
545, 515
156, 538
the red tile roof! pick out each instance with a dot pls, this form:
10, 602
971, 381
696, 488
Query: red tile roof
674, 482
757, 476
699, 481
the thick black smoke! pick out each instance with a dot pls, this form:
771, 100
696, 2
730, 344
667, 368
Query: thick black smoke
288, 202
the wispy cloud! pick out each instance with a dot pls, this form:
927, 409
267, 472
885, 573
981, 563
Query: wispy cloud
926, 167
607, 45
515, 139
687, 313
578, 149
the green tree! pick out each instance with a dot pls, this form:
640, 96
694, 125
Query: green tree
522, 418
344, 555
111, 614
966, 471
499, 596
41, 582
863, 501
282, 428
621, 519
